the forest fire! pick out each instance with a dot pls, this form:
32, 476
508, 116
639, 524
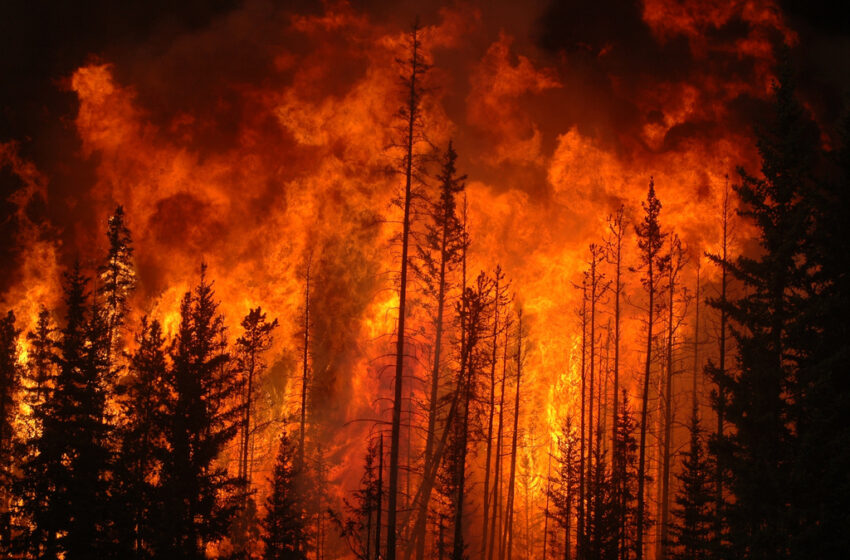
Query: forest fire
462, 281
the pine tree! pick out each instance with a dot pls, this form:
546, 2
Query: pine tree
359, 528
437, 255
624, 482
564, 485
410, 114
693, 517
472, 316
118, 278
284, 526
66, 501
33, 486
10, 391
653, 264
768, 405
141, 444
200, 496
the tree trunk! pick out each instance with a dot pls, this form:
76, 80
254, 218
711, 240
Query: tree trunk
509, 510
402, 306
491, 414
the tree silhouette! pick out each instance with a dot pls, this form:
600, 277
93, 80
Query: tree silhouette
10, 390
653, 264
284, 526
201, 420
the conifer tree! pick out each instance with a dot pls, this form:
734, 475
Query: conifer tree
117, 277
410, 114
201, 419
624, 482
284, 525
564, 485
438, 254
10, 391
141, 444
693, 518
776, 453
653, 264
359, 528
67, 498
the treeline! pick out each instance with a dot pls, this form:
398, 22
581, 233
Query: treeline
763, 476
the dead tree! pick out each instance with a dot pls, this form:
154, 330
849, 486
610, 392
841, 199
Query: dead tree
677, 261
614, 254
411, 115
507, 551
650, 242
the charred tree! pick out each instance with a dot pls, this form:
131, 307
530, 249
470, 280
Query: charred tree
10, 393
305, 370
499, 299
285, 531
118, 279
141, 449
650, 242
410, 113
614, 255
676, 262
202, 419
717, 372
472, 311
507, 551
438, 255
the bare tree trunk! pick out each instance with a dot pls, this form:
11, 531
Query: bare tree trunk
496, 519
616, 225
668, 422
721, 393
581, 502
641, 506
546, 507
419, 531
380, 508
305, 367
509, 510
491, 414
412, 110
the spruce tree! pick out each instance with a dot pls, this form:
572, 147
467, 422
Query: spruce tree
284, 525
201, 419
693, 516
141, 444
117, 277
769, 405
67, 496
10, 391
653, 264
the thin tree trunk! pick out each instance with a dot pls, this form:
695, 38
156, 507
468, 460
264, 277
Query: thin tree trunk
668, 419
546, 507
617, 230
592, 505
641, 505
721, 393
512, 481
402, 307
305, 367
419, 531
380, 507
581, 502
496, 519
492, 405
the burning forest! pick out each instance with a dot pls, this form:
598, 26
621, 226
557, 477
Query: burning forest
462, 280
